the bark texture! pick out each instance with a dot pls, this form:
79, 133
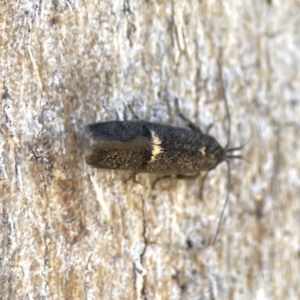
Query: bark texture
68, 231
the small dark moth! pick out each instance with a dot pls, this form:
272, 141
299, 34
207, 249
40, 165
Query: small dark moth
144, 147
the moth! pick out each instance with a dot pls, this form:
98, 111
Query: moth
145, 147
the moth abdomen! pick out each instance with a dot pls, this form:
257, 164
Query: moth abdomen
152, 148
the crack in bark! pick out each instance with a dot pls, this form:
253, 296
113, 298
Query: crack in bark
140, 287
145, 248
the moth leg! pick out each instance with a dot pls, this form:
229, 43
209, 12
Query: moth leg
133, 113
202, 181
133, 177
183, 176
209, 127
177, 176
159, 179
190, 124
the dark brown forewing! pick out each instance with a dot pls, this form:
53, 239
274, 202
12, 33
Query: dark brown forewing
133, 155
137, 143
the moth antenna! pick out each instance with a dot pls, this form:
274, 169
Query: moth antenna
227, 150
235, 156
226, 147
226, 106
237, 148
225, 204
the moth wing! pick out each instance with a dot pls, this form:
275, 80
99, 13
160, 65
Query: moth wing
132, 155
137, 143
117, 131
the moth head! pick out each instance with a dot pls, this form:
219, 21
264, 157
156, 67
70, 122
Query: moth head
213, 153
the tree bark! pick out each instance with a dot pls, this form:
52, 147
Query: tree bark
72, 232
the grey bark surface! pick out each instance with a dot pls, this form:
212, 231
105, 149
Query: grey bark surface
72, 232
